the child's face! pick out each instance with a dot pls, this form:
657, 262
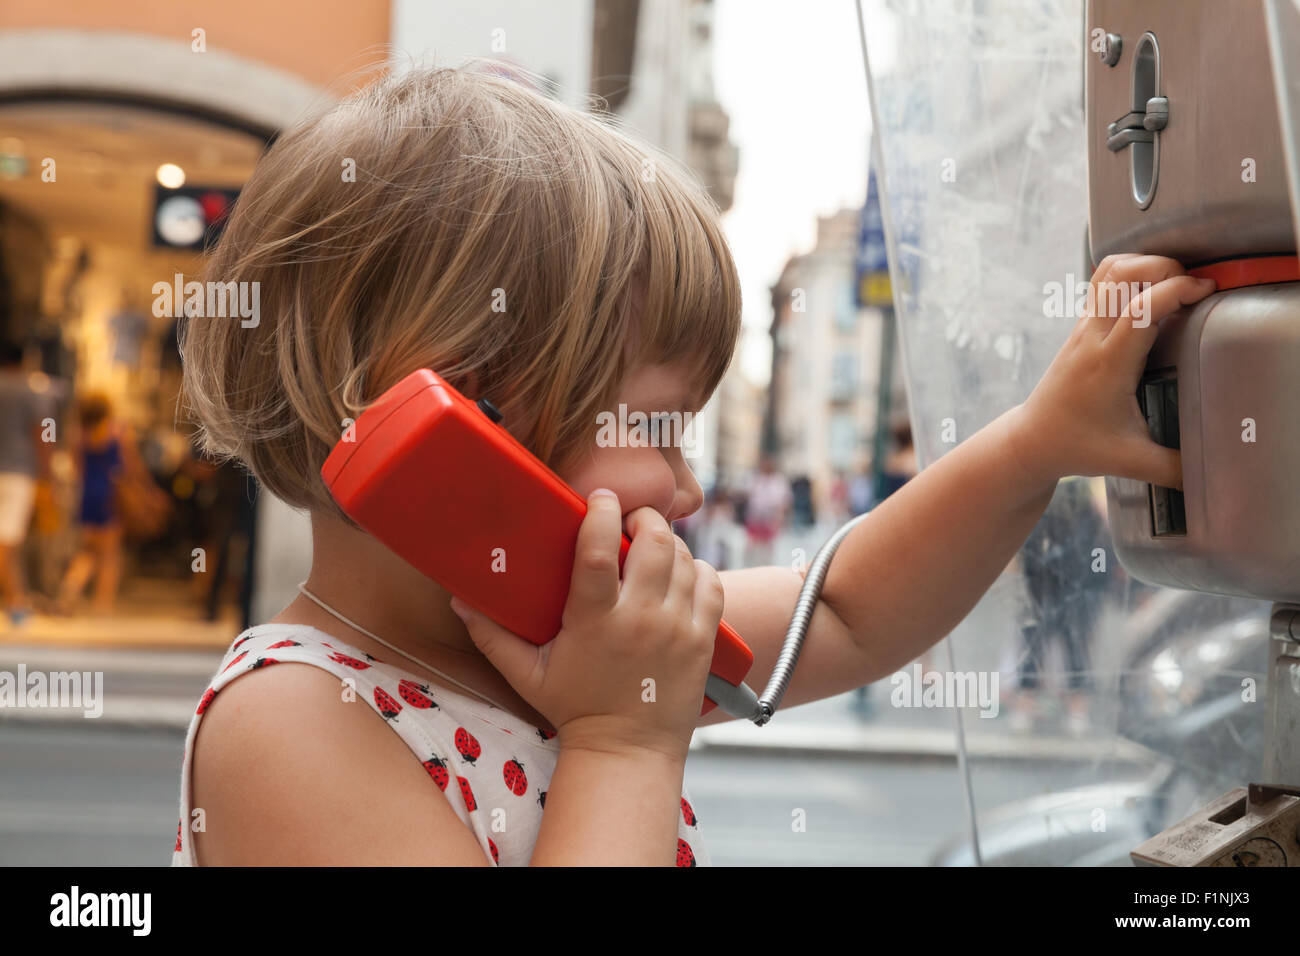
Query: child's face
654, 477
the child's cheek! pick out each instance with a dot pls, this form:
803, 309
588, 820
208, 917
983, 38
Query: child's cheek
639, 476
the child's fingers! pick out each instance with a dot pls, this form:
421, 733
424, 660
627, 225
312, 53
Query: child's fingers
648, 568
509, 653
708, 598
681, 590
1098, 282
1108, 263
1151, 463
1102, 272
1144, 270
1126, 277
1135, 331
594, 584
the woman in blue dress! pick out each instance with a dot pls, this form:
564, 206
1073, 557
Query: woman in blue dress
102, 451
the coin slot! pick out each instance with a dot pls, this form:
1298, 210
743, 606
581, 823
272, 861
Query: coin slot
1158, 399
1231, 813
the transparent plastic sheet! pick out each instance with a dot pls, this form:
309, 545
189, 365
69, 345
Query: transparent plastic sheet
979, 117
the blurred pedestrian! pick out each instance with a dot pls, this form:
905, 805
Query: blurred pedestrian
106, 455
24, 473
861, 494
720, 536
766, 510
803, 510
839, 499
1066, 595
900, 464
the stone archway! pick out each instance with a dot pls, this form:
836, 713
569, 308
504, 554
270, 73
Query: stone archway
136, 67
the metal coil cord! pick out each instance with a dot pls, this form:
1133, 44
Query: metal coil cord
740, 701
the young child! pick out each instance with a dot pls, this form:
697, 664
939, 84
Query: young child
537, 256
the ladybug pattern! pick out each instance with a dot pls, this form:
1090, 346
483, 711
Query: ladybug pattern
387, 706
437, 770
513, 774
477, 757
467, 792
417, 695
467, 746
348, 661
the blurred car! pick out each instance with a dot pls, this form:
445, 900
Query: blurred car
1182, 697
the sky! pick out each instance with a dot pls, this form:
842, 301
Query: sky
791, 78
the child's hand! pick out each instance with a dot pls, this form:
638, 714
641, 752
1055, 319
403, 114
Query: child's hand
660, 621
1083, 417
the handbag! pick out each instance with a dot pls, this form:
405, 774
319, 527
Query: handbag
143, 507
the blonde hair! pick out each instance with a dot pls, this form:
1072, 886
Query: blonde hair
470, 191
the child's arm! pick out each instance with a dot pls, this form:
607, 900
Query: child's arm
913, 569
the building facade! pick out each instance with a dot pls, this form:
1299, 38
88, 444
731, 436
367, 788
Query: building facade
821, 411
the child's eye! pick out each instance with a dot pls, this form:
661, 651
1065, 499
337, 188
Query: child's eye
669, 430
657, 430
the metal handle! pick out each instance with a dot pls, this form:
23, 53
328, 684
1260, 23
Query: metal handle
1138, 126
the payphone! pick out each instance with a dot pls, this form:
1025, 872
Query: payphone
1187, 158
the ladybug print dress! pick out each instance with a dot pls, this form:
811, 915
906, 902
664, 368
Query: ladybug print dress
481, 757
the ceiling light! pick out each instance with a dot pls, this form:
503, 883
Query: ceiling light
170, 176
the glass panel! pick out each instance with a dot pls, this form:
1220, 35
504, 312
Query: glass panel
1120, 707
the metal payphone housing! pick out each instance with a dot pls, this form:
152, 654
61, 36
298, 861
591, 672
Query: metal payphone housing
1186, 159
1222, 386
1201, 176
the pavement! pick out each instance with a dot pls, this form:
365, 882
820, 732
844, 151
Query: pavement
157, 655
150, 687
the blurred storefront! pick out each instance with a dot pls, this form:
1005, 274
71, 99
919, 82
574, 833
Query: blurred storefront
125, 132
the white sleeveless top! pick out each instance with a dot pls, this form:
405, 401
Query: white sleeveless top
480, 756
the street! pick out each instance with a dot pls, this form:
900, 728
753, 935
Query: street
874, 789
107, 795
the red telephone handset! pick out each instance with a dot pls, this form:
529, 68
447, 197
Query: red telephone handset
436, 479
